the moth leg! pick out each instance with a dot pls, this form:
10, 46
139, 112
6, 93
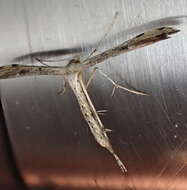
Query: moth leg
108, 130
116, 86
41, 61
91, 76
101, 112
104, 36
51, 60
63, 89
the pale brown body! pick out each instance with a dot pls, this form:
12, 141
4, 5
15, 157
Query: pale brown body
90, 115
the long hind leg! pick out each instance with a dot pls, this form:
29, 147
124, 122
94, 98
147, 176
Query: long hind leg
116, 86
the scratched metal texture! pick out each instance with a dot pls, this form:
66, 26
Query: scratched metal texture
52, 145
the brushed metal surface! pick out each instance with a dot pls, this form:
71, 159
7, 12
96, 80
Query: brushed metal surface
10, 178
52, 144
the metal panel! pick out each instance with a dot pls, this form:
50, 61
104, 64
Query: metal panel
10, 177
52, 143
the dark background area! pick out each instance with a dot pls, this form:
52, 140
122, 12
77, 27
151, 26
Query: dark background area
45, 142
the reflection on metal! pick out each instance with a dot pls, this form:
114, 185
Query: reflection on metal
148, 133
115, 182
73, 74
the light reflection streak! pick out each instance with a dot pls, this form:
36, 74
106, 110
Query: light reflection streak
114, 182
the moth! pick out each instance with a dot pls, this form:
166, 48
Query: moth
73, 72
